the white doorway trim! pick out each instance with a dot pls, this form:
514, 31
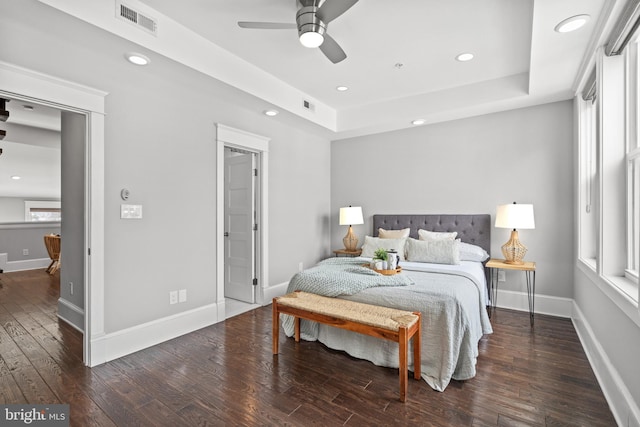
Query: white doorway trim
26, 84
230, 137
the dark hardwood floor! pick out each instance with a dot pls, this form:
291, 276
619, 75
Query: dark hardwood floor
225, 374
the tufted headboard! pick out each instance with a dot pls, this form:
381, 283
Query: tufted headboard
474, 229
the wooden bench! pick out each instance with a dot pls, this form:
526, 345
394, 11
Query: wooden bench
381, 322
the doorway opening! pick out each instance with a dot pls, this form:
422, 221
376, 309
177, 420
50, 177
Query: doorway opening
84, 108
241, 220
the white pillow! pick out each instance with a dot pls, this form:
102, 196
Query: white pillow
436, 235
393, 234
434, 251
372, 244
469, 252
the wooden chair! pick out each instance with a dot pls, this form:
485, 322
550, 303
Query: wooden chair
52, 243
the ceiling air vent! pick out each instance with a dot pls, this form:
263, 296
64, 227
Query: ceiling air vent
133, 16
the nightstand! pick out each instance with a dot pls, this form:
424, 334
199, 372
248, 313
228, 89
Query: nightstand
529, 269
345, 252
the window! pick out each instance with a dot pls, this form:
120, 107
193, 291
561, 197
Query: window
609, 171
35, 211
633, 160
588, 172
634, 214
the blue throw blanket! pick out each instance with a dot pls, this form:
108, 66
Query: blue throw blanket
342, 276
331, 278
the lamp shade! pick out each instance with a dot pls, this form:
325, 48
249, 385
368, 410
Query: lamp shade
351, 215
515, 216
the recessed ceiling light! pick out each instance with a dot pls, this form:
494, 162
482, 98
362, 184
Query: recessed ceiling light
342, 88
270, 113
572, 24
463, 57
16, 177
417, 122
137, 58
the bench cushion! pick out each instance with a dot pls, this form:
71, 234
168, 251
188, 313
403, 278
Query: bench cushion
381, 317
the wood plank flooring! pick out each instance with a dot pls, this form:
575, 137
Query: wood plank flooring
225, 374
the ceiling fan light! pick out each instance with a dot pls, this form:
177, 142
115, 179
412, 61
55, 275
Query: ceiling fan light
311, 39
310, 28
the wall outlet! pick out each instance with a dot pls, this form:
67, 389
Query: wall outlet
25, 252
182, 295
173, 297
501, 276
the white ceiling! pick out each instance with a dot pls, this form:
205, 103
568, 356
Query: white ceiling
31, 150
519, 59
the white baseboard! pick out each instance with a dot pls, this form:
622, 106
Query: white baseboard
274, 291
27, 264
544, 304
117, 344
71, 313
624, 408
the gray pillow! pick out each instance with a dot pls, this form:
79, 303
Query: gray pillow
434, 251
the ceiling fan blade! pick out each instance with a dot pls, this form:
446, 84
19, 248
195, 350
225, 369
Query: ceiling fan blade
331, 9
267, 25
332, 49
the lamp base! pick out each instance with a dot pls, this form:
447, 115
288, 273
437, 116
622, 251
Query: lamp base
513, 250
350, 241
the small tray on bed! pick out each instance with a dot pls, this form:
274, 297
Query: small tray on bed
384, 272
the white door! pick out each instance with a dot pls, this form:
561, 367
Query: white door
239, 214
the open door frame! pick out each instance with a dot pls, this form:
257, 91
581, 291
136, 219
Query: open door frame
230, 137
21, 83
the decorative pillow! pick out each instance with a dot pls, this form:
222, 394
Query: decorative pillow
436, 235
393, 234
469, 252
434, 251
371, 244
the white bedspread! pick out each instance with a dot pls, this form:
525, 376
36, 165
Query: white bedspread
452, 300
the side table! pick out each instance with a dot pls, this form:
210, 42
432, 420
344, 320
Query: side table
345, 252
529, 269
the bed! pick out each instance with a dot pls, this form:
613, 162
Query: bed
451, 297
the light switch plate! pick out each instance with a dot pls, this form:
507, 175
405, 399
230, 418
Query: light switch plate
131, 211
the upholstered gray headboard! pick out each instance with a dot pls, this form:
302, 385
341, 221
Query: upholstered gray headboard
474, 229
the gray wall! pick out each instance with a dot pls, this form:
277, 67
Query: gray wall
15, 238
160, 144
73, 134
11, 209
614, 333
471, 166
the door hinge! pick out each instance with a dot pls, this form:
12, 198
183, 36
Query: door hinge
255, 281
255, 227
255, 172
89, 251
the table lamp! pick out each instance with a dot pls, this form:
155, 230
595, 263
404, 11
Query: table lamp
514, 216
351, 215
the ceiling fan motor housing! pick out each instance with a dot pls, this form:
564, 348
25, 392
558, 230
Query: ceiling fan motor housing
308, 21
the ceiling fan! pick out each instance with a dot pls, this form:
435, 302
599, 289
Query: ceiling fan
312, 20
